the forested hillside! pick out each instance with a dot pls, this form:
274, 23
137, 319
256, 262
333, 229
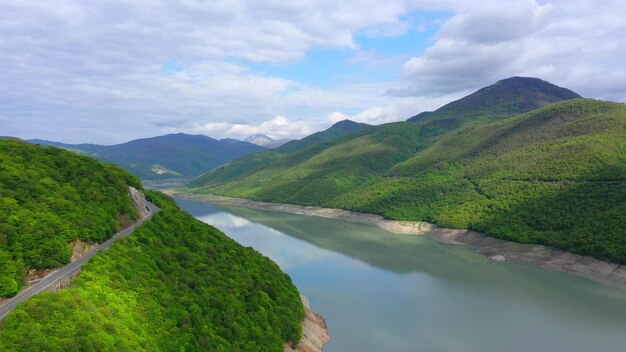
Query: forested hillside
171, 156
174, 284
504, 98
529, 178
369, 152
555, 176
49, 197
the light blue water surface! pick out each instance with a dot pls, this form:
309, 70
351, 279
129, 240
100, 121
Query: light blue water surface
384, 292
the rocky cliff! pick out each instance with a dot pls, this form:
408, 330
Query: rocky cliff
139, 201
314, 332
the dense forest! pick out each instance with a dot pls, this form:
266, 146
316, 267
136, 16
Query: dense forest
49, 197
555, 175
176, 284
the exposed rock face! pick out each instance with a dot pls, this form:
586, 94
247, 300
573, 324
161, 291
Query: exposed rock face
34, 275
80, 249
139, 201
314, 331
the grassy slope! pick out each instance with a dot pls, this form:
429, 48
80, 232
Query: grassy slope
554, 176
50, 197
176, 284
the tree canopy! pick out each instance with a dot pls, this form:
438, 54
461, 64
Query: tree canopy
49, 197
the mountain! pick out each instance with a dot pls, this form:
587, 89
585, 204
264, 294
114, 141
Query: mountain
507, 97
483, 162
259, 139
371, 151
170, 156
247, 165
175, 283
266, 141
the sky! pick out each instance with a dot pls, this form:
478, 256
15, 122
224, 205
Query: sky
111, 71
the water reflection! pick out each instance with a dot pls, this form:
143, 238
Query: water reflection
385, 292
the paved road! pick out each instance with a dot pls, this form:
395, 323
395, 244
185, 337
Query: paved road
67, 270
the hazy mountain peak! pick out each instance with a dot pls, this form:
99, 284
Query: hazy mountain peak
260, 139
266, 141
258, 135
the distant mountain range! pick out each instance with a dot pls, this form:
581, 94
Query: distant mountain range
522, 160
170, 156
294, 151
266, 141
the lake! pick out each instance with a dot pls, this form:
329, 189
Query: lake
383, 292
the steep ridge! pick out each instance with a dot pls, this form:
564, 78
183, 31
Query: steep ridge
528, 178
170, 156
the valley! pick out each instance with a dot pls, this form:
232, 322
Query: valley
312, 176
525, 174
511, 171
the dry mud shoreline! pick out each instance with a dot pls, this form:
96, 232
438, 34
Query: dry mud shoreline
496, 249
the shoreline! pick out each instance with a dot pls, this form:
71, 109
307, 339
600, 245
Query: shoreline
496, 249
314, 331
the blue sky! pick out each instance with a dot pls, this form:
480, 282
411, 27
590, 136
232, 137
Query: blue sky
374, 57
107, 72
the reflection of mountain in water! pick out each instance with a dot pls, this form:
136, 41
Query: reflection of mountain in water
451, 265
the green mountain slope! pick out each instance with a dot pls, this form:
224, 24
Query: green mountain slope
529, 178
169, 156
554, 176
174, 284
326, 170
504, 98
49, 197
240, 168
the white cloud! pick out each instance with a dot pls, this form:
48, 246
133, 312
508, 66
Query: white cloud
572, 43
400, 109
102, 68
277, 127
225, 220
110, 71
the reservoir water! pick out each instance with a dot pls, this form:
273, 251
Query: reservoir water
383, 292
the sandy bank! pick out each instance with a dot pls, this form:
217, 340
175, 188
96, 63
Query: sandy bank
496, 249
